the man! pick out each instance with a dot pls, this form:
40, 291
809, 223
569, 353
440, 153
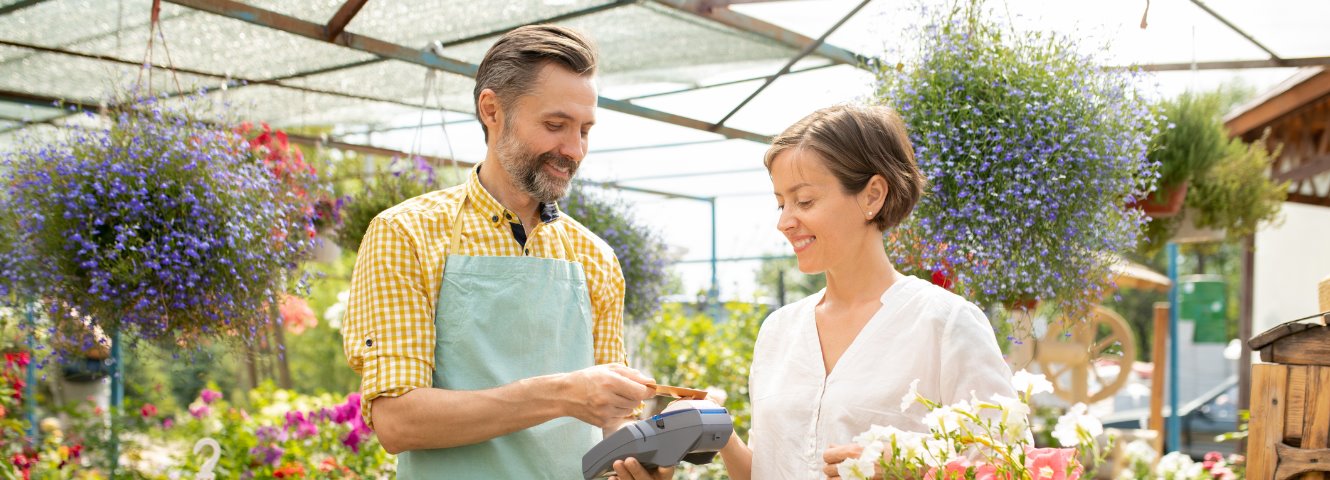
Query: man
486, 324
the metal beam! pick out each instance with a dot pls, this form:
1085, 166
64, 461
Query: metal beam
8, 9
230, 81
790, 64
617, 186
724, 84
1238, 64
761, 28
691, 174
266, 18
339, 20
1236, 29
555, 19
30, 99
657, 145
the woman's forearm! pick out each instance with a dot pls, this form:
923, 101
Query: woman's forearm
738, 458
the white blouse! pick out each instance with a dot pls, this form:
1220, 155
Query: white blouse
921, 332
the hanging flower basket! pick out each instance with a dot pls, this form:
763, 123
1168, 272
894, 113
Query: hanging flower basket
1031, 149
159, 225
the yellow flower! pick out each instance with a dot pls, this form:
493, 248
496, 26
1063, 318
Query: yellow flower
50, 424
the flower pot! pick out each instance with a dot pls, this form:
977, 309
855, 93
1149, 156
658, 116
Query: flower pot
1164, 202
1022, 304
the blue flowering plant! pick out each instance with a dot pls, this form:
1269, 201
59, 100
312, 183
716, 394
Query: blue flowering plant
157, 224
641, 252
1031, 148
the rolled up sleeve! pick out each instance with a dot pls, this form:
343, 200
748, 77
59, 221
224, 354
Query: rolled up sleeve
388, 334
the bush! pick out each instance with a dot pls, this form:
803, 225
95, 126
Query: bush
640, 251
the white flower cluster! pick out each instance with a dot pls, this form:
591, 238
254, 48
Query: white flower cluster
995, 430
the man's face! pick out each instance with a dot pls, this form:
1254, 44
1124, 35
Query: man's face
544, 133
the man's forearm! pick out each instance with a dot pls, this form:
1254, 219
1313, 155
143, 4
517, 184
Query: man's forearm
427, 418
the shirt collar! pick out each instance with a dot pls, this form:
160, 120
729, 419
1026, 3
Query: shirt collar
494, 211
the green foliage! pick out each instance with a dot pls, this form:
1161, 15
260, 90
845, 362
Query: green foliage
640, 251
318, 364
385, 187
1237, 195
693, 350
785, 271
1193, 139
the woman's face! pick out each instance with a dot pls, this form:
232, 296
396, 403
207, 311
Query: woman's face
823, 223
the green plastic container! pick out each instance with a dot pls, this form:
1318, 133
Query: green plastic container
1203, 300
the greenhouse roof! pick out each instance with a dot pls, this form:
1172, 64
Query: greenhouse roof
690, 89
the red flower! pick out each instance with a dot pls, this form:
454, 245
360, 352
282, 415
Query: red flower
148, 410
942, 278
290, 470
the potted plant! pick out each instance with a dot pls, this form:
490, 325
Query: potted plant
1191, 142
1233, 198
157, 224
1237, 195
387, 186
1031, 148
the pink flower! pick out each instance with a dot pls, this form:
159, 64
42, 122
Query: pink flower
199, 411
1053, 463
954, 470
352, 440
297, 315
168, 422
307, 429
148, 410
209, 396
987, 471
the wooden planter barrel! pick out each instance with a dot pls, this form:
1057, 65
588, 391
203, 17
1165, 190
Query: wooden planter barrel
1289, 431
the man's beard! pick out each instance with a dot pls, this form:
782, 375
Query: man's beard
528, 173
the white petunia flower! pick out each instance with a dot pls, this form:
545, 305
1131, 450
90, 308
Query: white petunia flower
1173, 464
1031, 383
862, 468
1075, 424
1015, 415
911, 396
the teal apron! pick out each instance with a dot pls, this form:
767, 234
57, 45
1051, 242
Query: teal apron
499, 320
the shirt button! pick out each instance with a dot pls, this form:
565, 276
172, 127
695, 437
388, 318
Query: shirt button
528, 251
495, 219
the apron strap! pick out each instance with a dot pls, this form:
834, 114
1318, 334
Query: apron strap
455, 231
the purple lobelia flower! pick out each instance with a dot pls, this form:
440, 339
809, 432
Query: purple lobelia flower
1032, 149
158, 225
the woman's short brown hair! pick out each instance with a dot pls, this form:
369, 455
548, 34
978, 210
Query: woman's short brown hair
857, 142
511, 65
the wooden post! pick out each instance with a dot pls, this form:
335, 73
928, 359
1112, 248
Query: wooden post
1158, 356
1245, 330
1269, 382
1316, 422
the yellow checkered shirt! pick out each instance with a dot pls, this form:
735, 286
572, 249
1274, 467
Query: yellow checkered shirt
388, 331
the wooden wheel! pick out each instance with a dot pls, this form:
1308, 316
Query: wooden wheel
1069, 359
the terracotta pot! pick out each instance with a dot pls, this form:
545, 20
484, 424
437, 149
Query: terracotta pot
1164, 202
1026, 304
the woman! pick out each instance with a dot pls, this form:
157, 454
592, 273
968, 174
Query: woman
829, 366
